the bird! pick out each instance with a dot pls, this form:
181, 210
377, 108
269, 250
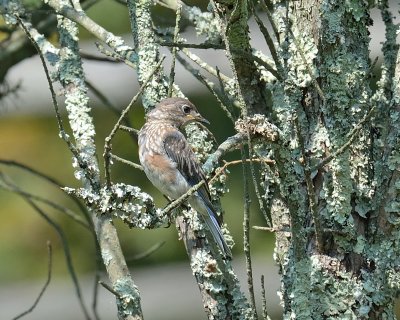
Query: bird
170, 163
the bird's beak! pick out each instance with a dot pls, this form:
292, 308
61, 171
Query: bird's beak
201, 119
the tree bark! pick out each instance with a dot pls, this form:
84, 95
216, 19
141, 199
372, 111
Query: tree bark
339, 134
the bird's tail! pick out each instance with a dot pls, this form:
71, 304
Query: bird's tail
215, 229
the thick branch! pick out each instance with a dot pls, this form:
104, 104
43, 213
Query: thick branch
235, 31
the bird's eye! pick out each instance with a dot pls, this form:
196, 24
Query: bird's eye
186, 109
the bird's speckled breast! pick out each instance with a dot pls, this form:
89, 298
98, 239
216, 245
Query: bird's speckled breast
158, 167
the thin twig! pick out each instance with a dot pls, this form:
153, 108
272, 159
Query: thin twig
146, 253
97, 276
111, 106
114, 55
208, 84
232, 143
129, 163
268, 39
60, 123
271, 229
226, 101
352, 135
103, 98
89, 56
48, 202
177, 202
220, 170
50, 180
134, 131
246, 235
192, 45
46, 284
53, 94
310, 189
107, 143
244, 54
174, 49
35, 172
264, 299
65, 245
271, 20
109, 288
46, 70
205, 66
267, 214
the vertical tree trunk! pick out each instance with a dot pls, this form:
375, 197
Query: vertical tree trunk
341, 258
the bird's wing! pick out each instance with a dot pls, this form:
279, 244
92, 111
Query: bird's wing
180, 152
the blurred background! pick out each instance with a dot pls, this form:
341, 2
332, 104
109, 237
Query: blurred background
29, 135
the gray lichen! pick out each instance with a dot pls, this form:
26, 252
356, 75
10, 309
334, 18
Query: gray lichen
127, 303
316, 118
147, 51
126, 202
205, 23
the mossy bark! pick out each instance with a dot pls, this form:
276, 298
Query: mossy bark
344, 263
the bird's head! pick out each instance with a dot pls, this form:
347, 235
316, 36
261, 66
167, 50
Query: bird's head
177, 111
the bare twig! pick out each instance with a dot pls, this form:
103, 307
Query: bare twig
250, 127
220, 170
205, 66
70, 213
271, 20
103, 98
46, 284
247, 55
192, 45
53, 94
271, 229
129, 163
65, 245
225, 100
134, 131
231, 143
246, 234
266, 213
35, 172
114, 55
177, 202
48, 179
208, 84
268, 39
109, 288
89, 56
97, 275
146, 253
174, 49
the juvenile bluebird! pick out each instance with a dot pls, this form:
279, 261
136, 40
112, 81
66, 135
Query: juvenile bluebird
170, 163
